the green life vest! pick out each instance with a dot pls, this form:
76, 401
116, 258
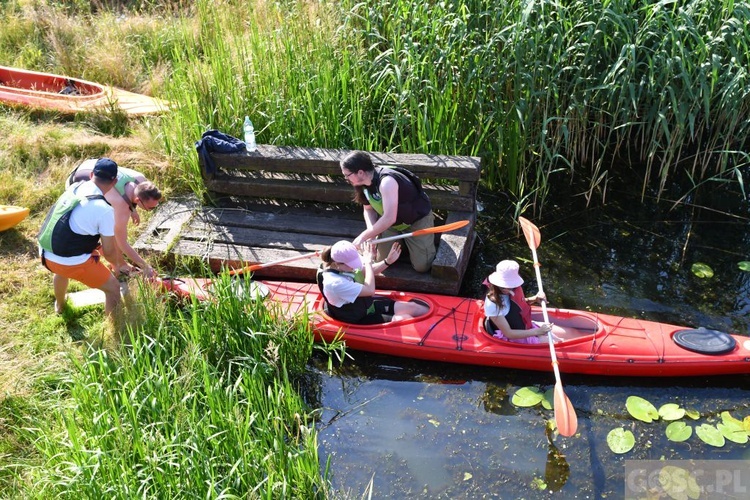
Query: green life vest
57, 237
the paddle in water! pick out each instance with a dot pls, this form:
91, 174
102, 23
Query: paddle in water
565, 415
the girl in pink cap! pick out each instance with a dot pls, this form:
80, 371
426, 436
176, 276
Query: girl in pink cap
347, 282
510, 311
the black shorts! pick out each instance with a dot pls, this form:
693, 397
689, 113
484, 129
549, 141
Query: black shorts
379, 311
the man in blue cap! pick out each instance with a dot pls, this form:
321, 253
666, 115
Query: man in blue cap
132, 190
80, 221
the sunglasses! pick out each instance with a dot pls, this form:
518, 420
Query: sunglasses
144, 207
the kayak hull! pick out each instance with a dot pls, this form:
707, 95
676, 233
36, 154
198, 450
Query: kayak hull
454, 332
59, 93
10, 216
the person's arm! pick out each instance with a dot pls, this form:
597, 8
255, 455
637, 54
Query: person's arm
393, 255
540, 296
109, 248
122, 215
371, 217
502, 324
129, 190
376, 225
368, 287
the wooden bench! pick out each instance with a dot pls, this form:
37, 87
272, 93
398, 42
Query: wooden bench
282, 202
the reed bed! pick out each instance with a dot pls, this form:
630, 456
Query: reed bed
542, 91
202, 402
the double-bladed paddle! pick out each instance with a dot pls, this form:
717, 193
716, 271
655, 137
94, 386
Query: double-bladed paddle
430, 230
565, 415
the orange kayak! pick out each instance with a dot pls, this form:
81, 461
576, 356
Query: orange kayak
70, 95
454, 331
10, 216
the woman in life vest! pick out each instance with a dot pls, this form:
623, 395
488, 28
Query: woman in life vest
347, 282
394, 203
510, 311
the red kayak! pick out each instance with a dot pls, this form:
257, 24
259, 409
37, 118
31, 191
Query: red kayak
70, 95
454, 331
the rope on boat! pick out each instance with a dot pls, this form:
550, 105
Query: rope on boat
451, 312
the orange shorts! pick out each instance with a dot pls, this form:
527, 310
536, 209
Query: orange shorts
91, 273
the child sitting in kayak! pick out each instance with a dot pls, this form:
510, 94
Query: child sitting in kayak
347, 282
509, 310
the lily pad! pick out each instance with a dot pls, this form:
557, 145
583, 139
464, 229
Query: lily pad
727, 418
549, 397
526, 397
710, 435
679, 432
746, 424
694, 414
641, 409
679, 483
620, 440
744, 265
702, 270
671, 411
733, 432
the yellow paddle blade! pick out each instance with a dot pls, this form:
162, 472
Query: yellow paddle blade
531, 232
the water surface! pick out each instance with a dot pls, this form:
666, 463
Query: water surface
401, 428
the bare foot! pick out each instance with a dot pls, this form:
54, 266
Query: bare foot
60, 308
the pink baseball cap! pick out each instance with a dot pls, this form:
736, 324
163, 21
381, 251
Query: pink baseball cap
506, 275
345, 252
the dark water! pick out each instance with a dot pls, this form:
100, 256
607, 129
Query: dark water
398, 428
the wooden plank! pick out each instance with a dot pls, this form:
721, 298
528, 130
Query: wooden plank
442, 198
278, 221
165, 226
400, 276
326, 162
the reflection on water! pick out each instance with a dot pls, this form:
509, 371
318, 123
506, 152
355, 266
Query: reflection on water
429, 430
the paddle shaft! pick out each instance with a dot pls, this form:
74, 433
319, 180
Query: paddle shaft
552, 352
565, 415
419, 232
255, 267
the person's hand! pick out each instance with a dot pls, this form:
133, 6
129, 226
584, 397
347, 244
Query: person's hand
394, 253
359, 240
149, 272
368, 250
540, 296
125, 269
135, 217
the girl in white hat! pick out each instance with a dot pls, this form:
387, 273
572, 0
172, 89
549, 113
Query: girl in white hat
510, 311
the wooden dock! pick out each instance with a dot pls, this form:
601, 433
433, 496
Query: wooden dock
281, 202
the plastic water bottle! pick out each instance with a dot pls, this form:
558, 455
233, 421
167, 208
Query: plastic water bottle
249, 135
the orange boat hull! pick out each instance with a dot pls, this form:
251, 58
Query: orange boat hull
453, 331
70, 95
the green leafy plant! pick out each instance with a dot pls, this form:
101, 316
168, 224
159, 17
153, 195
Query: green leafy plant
702, 270
729, 429
620, 440
641, 409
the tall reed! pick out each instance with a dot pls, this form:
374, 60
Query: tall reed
542, 91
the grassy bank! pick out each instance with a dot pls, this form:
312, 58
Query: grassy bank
542, 92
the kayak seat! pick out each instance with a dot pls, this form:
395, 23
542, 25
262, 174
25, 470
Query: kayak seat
704, 341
